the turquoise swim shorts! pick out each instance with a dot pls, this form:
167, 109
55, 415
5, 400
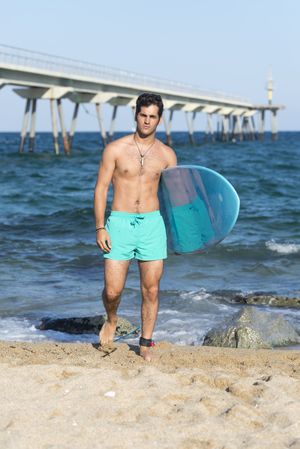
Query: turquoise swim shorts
140, 236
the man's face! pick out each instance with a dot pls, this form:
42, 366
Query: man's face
147, 120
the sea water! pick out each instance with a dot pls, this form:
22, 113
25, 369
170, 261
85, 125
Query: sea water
50, 265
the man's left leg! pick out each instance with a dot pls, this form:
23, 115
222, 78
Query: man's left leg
150, 275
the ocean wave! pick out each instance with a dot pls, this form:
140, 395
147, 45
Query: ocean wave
23, 329
283, 248
19, 329
195, 295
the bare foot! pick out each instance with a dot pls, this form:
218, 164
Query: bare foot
107, 333
146, 353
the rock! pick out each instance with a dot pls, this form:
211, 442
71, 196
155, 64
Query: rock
258, 298
252, 328
271, 300
83, 325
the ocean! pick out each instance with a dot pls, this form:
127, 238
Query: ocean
50, 265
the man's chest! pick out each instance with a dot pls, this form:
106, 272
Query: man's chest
149, 166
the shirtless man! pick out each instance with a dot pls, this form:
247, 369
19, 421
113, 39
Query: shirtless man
135, 228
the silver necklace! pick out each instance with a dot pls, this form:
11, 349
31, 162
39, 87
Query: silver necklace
142, 155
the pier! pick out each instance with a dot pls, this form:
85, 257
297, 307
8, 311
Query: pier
39, 76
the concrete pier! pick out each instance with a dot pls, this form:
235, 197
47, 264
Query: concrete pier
41, 76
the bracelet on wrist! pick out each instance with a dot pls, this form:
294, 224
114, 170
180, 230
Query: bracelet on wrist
101, 227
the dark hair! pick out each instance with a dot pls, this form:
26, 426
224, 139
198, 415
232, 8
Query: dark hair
147, 99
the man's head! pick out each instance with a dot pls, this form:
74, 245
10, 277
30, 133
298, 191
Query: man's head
149, 109
148, 99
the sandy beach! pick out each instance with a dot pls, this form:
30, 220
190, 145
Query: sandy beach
63, 396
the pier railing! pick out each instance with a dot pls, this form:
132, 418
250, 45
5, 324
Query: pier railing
56, 64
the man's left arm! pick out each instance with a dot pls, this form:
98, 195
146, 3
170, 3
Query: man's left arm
172, 158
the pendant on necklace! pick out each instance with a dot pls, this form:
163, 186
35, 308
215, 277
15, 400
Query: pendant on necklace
142, 161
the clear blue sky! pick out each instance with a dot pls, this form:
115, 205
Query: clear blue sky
218, 45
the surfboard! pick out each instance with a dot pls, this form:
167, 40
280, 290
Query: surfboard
199, 206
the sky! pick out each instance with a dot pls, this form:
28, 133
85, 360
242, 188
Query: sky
222, 45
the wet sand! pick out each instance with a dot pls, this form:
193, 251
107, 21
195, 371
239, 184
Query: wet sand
69, 396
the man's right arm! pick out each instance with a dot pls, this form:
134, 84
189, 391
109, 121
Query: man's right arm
105, 173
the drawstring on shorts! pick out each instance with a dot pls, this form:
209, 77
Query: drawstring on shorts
136, 221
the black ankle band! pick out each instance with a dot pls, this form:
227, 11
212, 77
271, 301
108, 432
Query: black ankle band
146, 342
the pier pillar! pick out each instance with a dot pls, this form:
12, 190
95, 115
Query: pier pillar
24, 126
218, 131
245, 129
101, 123
250, 129
73, 125
113, 122
274, 124
262, 125
194, 118
234, 132
225, 133
230, 131
254, 133
32, 125
238, 128
193, 121
190, 123
62, 127
54, 126
133, 114
209, 130
168, 125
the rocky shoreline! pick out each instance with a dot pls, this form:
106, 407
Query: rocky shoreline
251, 327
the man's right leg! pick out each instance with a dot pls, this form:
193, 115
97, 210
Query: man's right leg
115, 273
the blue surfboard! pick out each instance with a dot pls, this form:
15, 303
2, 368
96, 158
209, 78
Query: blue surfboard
199, 207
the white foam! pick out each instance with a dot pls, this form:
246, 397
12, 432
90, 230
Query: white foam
283, 248
21, 329
169, 312
195, 295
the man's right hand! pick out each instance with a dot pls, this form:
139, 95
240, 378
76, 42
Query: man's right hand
103, 240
